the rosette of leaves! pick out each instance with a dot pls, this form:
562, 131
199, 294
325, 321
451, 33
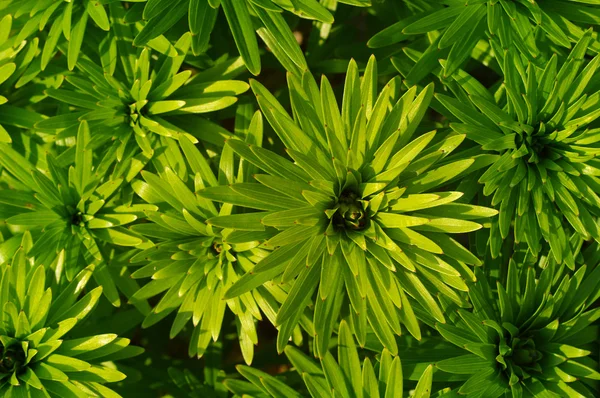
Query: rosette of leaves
531, 331
67, 19
544, 182
356, 213
161, 15
536, 29
72, 209
344, 377
37, 356
129, 96
192, 264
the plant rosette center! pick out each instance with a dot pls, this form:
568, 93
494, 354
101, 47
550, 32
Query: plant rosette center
12, 358
519, 357
78, 219
534, 147
135, 112
220, 249
350, 213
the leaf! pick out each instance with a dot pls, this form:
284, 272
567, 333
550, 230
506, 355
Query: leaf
437, 177
469, 17
76, 40
434, 21
117, 236
98, 14
33, 219
161, 23
394, 380
84, 345
67, 364
423, 389
335, 376
279, 29
241, 27
155, 8
47, 372
299, 294
348, 358
262, 198
465, 364
240, 222
392, 220
449, 225
263, 271
158, 107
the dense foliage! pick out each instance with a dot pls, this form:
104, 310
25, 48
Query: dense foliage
293, 198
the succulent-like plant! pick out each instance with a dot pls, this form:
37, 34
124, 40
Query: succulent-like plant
129, 96
193, 263
531, 334
544, 181
357, 211
37, 358
73, 207
426, 225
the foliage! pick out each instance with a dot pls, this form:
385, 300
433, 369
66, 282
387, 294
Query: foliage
367, 213
532, 333
344, 376
194, 263
546, 139
535, 29
401, 196
160, 15
38, 356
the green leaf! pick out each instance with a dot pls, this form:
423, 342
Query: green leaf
263, 271
161, 23
335, 376
98, 14
423, 389
465, 364
437, 20
76, 40
279, 29
240, 222
67, 364
241, 27
449, 225
84, 345
469, 17
117, 236
437, 177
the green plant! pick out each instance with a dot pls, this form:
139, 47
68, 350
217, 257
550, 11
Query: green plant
362, 205
343, 377
194, 263
458, 26
530, 334
37, 356
544, 181
67, 19
402, 211
160, 15
72, 208
126, 95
